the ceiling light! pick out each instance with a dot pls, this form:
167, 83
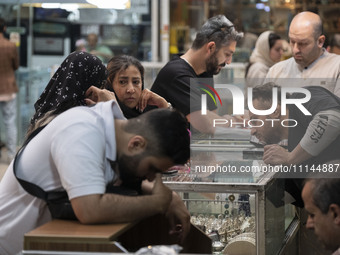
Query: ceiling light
109, 4
69, 7
50, 5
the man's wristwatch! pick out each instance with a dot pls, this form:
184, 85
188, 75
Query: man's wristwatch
170, 106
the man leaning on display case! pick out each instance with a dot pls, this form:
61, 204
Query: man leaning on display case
83, 151
312, 139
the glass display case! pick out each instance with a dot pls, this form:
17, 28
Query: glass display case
233, 199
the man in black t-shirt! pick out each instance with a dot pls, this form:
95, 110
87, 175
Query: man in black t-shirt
312, 139
177, 81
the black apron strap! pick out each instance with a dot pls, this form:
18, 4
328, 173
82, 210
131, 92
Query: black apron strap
29, 187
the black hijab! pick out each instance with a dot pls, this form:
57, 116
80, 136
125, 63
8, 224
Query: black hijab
66, 89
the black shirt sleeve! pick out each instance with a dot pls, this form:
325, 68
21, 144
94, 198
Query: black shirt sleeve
176, 83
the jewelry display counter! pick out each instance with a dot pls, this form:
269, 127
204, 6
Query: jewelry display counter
233, 199
72, 236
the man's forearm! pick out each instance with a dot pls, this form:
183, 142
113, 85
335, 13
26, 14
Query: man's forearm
110, 208
298, 155
113, 208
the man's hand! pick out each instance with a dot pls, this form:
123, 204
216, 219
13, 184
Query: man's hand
177, 213
162, 194
179, 218
95, 95
275, 155
150, 98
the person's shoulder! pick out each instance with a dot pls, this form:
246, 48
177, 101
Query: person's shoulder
79, 113
331, 56
258, 65
284, 63
319, 91
281, 68
176, 61
321, 99
257, 70
319, 96
79, 118
176, 67
103, 47
100, 108
8, 43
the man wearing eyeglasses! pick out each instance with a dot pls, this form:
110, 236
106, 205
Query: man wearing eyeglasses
212, 49
311, 64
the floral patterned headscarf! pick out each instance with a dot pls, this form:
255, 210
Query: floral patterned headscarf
67, 87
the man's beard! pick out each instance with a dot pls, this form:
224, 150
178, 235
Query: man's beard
126, 167
212, 65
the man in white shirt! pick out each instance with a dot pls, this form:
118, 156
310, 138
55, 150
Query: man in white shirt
311, 64
322, 202
83, 150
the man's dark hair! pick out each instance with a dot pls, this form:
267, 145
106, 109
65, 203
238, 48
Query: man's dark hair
166, 132
326, 191
335, 41
217, 29
2, 25
264, 92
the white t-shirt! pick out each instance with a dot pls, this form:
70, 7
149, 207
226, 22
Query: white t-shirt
324, 72
72, 152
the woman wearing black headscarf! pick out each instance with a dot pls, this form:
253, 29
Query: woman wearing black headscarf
66, 89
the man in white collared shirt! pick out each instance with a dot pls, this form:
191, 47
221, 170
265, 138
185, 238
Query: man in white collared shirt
84, 149
311, 64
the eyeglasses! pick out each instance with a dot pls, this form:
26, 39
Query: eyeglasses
221, 29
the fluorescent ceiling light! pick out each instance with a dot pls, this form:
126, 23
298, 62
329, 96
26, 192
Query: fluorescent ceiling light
50, 5
111, 4
69, 7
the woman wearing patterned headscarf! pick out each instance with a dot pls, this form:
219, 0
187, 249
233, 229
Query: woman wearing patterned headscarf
66, 89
